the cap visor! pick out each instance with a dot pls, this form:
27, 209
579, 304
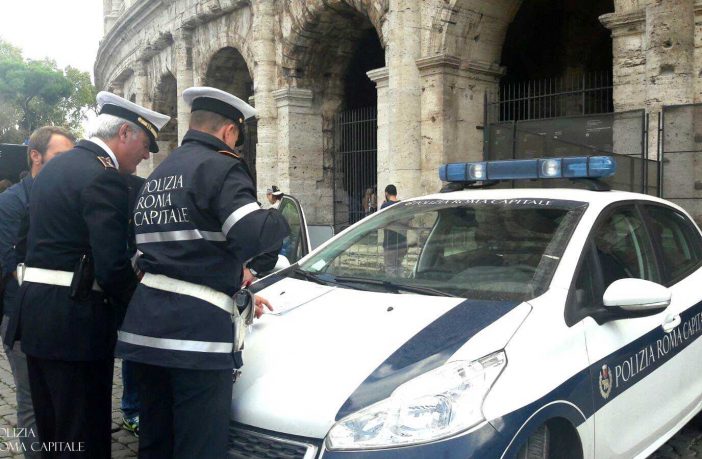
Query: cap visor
153, 147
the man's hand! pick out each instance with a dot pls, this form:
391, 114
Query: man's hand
259, 303
248, 278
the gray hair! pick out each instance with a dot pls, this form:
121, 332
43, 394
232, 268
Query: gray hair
106, 127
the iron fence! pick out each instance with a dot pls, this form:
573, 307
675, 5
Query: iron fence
584, 94
355, 165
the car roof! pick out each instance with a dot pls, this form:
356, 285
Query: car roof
601, 198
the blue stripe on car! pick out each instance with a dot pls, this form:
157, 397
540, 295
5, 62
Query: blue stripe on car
428, 349
582, 390
576, 399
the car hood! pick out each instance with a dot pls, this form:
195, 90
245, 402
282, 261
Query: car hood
340, 350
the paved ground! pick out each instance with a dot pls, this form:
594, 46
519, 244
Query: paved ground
124, 444
686, 444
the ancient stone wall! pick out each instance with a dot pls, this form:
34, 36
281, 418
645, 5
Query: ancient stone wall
441, 56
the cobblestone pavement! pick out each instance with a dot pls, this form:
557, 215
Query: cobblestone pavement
686, 444
124, 444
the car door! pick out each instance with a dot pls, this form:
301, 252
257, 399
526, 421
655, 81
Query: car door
635, 400
679, 247
297, 244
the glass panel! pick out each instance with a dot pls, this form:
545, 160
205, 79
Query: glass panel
487, 249
585, 285
292, 245
679, 242
623, 249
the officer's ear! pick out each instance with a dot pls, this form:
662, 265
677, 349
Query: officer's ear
124, 132
35, 158
231, 133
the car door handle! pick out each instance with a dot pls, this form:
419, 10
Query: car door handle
671, 321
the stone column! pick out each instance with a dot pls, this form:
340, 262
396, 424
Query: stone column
404, 96
300, 152
670, 80
184, 76
629, 83
453, 102
380, 77
111, 12
141, 85
264, 84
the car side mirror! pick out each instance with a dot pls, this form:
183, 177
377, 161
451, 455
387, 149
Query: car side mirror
632, 298
637, 295
282, 263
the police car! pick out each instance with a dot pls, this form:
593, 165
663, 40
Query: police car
487, 323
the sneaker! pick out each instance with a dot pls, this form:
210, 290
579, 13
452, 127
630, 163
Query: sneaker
131, 425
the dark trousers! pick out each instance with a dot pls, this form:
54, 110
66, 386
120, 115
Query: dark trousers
130, 394
73, 405
184, 413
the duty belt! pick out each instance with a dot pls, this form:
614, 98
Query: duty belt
47, 276
204, 293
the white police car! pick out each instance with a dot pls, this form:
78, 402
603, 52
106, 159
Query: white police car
483, 323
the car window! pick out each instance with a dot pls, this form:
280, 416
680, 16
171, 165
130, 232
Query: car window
492, 249
292, 245
623, 249
678, 240
586, 291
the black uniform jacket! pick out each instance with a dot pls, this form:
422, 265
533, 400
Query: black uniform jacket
196, 220
78, 206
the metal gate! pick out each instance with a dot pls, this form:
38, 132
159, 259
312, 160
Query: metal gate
355, 165
679, 149
248, 150
570, 117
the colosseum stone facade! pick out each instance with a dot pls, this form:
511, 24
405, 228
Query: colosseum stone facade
428, 63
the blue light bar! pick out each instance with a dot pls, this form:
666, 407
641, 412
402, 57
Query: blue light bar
530, 169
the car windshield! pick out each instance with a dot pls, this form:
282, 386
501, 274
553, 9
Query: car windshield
478, 249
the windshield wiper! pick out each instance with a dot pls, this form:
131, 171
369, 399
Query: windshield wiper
393, 287
310, 277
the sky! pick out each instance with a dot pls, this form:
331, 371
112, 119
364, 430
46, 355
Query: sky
67, 31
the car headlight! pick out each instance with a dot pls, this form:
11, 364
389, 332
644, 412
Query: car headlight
437, 404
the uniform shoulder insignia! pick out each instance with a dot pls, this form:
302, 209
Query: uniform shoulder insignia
106, 162
229, 153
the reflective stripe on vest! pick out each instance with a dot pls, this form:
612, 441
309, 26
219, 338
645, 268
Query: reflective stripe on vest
182, 235
174, 344
202, 292
237, 215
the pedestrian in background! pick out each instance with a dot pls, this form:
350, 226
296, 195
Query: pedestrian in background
394, 240
44, 144
274, 195
78, 276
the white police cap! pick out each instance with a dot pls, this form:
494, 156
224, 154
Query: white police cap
220, 102
150, 121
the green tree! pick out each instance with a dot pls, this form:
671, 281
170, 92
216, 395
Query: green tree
35, 93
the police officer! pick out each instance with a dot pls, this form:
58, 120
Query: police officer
44, 144
197, 222
78, 277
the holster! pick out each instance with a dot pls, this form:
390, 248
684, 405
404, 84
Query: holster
242, 317
83, 279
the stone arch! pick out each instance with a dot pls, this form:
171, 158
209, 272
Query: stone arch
319, 33
228, 32
227, 70
165, 101
319, 48
472, 30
